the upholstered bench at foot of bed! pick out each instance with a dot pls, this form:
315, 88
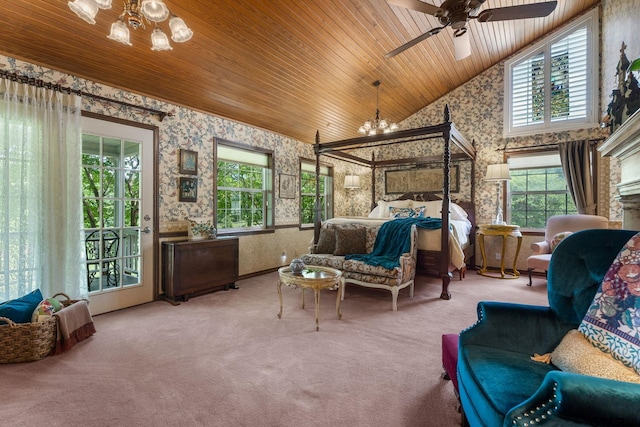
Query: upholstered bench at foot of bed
383, 278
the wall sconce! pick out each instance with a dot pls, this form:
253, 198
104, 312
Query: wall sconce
351, 181
498, 173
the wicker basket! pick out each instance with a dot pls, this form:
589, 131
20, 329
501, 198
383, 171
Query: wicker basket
26, 342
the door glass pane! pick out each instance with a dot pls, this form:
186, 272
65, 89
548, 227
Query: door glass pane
111, 188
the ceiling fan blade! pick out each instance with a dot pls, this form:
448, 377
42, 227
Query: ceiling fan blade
416, 5
535, 10
413, 42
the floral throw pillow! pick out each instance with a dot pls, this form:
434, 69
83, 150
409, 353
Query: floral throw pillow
555, 240
406, 212
612, 322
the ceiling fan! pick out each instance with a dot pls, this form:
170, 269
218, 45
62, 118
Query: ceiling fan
458, 12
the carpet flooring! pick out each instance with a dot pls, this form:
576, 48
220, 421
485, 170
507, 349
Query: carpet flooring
225, 359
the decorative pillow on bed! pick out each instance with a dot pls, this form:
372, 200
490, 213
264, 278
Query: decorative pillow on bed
395, 212
457, 212
555, 240
577, 355
350, 241
612, 322
326, 241
383, 206
432, 208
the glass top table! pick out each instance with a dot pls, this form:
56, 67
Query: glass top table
314, 277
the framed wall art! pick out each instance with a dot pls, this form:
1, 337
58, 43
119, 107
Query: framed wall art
188, 191
188, 162
419, 180
287, 186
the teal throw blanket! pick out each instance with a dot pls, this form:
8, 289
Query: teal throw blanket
393, 240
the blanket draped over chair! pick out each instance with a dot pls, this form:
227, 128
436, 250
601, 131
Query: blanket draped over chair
393, 240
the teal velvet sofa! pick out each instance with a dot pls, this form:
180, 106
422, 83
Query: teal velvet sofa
500, 385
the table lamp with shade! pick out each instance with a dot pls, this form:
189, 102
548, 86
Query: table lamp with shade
498, 173
351, 182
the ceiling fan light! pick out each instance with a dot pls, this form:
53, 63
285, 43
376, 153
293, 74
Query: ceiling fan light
159, 40
180, 33
103, 4
462, 46
119, 32
85, 9
154, 10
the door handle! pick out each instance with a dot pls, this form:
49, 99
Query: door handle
146, 230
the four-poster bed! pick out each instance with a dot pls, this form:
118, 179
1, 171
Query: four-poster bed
439, 261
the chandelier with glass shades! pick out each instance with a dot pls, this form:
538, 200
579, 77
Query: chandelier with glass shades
135, 13
378, 124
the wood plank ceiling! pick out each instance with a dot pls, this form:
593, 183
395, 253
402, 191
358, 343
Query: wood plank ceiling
289, 66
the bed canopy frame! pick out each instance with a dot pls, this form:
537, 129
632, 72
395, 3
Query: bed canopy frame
445, 131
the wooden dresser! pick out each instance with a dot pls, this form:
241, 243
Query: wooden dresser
195, 267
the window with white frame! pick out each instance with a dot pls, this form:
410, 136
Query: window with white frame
537, 189
244, 180
552, 86
308, 192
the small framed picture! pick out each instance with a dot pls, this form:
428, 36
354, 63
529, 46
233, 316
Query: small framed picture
188, 162
287, 186
188, 191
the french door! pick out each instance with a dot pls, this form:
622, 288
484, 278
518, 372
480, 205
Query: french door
117, 181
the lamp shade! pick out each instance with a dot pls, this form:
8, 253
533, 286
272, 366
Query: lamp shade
351, 181
154, 10
120, 32
498, 172
159, 40
85, 9
462, 46
180, 33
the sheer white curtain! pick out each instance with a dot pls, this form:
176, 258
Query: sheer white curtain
40, 192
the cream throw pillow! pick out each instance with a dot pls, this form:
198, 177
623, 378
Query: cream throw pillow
577, 355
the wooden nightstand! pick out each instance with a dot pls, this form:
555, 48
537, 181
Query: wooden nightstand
503, 231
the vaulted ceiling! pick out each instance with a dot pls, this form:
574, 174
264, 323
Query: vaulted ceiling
289, 66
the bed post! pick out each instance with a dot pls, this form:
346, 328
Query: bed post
446, 200
317, 217
373, 181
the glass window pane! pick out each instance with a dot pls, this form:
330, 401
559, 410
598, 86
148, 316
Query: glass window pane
111, 151
132, 185
536, 180
91, 208
91, 182
110, 213
131, 213
109, 182
555, 180
132, 155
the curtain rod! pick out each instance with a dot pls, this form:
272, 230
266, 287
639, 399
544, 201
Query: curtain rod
40, 83
554, 144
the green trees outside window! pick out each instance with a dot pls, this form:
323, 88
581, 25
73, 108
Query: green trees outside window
241, 197
536, 194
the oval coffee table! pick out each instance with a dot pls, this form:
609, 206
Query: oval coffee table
314, 277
